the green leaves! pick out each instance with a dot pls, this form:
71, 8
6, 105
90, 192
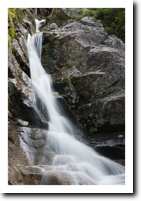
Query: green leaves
113, 20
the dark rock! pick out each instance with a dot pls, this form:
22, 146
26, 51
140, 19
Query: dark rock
20, 95
74, 40
109, 145
100, 81
96, 98
19, 54
28, 18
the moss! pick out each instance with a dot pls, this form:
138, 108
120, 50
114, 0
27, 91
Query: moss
20, 16
63, 68
84, 103
10, 43
80, 10
56, 10
92, 130
66, 89
26, 15
11, 28
65, 81
82, 13
78, 17
87, 13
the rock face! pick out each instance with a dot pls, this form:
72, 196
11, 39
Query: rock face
88, 70
26, 141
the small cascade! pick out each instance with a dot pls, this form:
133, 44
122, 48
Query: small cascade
73, 162
38, 24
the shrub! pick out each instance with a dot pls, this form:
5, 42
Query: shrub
113, 20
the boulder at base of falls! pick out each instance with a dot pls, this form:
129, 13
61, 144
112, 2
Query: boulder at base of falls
26, 146
32, 174
64, 178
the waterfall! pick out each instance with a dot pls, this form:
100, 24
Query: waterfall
72, 160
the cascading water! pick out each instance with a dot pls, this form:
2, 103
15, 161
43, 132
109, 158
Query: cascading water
73, 160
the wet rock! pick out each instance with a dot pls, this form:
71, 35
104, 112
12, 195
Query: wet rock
20, 95
33, 142
109, 145
57, 178
65, 178
15, 155
14, 149
32, 174
28, 18
22, 60
18, 50
32, 137
20, 122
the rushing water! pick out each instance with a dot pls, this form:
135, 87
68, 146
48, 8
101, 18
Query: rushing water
72, 158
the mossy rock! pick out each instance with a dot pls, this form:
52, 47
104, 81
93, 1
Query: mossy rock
11, 27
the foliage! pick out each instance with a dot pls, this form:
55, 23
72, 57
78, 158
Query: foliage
83, 13
87, 13
92, 130
113, 20
66, 89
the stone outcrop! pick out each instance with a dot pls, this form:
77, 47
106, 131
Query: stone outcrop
88, 70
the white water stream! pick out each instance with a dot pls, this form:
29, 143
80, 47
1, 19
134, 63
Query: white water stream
72, 157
